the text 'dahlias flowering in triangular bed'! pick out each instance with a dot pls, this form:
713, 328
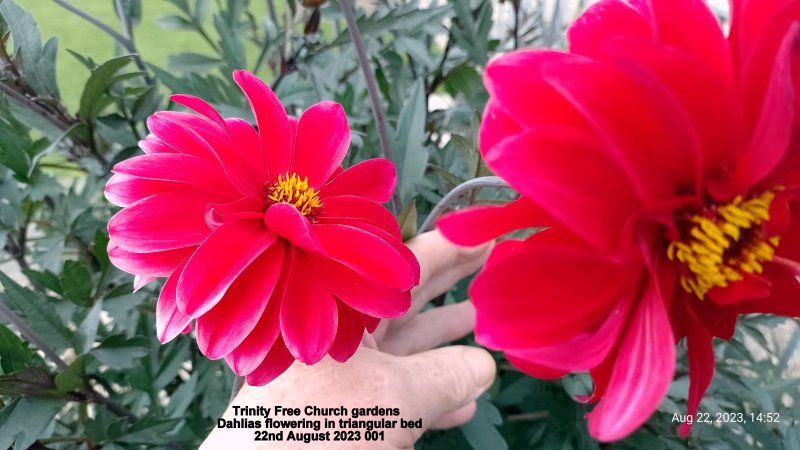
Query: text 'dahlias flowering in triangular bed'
268, 246
665, 160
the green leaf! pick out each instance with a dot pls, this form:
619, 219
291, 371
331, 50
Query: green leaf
146, 104
102, 78
410, 155
24, 420
87, 331
231, 45
35, 381
408, 220
73, 378
192, 62
15, 355
38, 66
120, 352
37, 311
100, 248
76, 280
481, 432
174, 23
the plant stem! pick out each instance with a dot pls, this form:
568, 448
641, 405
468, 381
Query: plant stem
126, 42
28, 333
372, 90
455, 194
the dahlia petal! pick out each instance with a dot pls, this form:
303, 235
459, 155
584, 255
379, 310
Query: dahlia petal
287, 222
708, 102
228, 323
544, 294
248, 142
208, 140
309, 319
273, 124
565, 172
496, 125
249, 207
397, 244
170, 322
476, 225
373, 179
153, 145
275, 363
672, 159
359, 293
151, 265
178, 168
533, 369
642, 373
605, 21
691, 26
784, 292
701, 368
160, 222
774, 126
751, 287
218, 261
370, 322
200, 106
140, 281
515, 85
246, 357
342, 208
366, 254
349, 332
581, 353
322, 140
122, 190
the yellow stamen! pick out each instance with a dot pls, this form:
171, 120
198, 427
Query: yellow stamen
294, 191
717, 250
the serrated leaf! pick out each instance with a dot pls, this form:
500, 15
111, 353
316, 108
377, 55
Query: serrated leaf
76, 281
174, 23
87, 331
192, 62
481, 432
410, 155
73, 378
102, 77
120, 352
15, 355
38, 66
24, 420
37, 311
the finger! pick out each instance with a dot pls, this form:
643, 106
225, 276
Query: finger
442, 264
446, 379
430, 329
456, 418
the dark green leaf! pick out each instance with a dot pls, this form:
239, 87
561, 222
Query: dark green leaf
410, 156
73, 378
76, 280
119, 352
481, 432
15, 355
38, 66
98, 83
408, 220
25, 420
37, 311
87, 331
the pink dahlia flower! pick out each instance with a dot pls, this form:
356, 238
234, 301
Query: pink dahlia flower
665, 160
273, 250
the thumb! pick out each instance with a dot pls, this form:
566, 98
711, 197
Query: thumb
444, 380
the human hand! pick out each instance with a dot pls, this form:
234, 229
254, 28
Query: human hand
394, 368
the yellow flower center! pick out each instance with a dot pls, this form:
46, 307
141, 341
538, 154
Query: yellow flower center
724, 243
294, 191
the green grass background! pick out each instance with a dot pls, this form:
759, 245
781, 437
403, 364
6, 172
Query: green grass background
153, 42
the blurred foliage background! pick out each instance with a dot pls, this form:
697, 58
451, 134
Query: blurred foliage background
79, 363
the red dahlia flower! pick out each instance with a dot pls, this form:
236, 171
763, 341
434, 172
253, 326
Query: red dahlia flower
665, 159
275, 251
